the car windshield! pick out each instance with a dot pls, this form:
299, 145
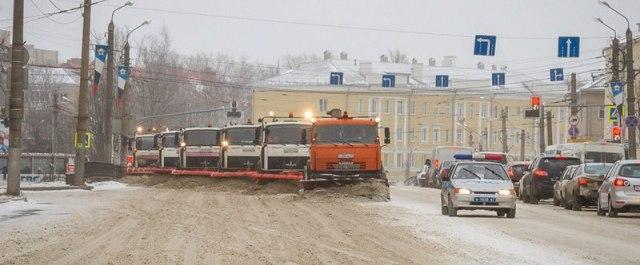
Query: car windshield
556, 165
241, 136
286, 133
599, 157
346, 134
169, 140
145, 143
597, 169
480, 171
518, 169
202, 137
630, 171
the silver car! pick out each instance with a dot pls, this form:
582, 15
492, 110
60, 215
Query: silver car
620, 190
477, 186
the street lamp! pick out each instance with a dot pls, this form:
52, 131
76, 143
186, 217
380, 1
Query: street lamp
124, 120
630, 82
110, 92
615, 34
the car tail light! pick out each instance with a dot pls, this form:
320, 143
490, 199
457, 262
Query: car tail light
582, 181
618, 182
510, 173
436, 163
540, 173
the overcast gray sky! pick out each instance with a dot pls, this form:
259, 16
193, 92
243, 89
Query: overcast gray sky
525, 29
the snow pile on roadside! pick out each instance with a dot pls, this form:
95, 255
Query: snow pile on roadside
27, 184
108, 185
19, 207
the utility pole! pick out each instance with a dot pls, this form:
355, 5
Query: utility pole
573, 104
549, 129
631, 96
124, 119
83, 98
503, 116
54, 119
16, 100
109, 96
521, 145
541, 129
615, 69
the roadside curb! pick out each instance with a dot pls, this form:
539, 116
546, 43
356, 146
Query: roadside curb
57, 188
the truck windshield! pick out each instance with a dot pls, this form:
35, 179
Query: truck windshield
286, 133
145, 143
599, 157
202, 137
346, 134
169, 140
241, 136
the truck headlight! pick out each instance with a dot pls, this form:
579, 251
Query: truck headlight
506, 192
183, 144
462, 191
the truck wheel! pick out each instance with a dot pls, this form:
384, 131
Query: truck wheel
511, 213
576, 204
451, 211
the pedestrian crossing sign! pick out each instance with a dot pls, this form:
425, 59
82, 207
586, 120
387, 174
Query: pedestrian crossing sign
86, 143
613, 113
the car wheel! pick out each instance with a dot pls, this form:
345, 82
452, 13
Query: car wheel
451, 211
511, 213
599, 210
612, 212
556, 202
566, 204
501, 213
421, 183
576, 204
444, 209
525, 195
533, 199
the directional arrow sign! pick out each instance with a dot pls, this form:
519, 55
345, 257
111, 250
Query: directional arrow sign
497, 79
568, 46
617, 92
485, 45
336, 78
442, 81
556, 74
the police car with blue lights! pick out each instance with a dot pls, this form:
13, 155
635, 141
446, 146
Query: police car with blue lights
474, 182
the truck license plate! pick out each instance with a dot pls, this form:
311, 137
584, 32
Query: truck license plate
484, 199
290, 150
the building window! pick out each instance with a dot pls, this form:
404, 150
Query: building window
436, 134
360, 106
373, 105
400, 107
424, 108
387, 108
425, 134
470, 110
484, 110
399, 134
399, 160
459, 137
600, 112
459, 111
412, 135
412, 107
446, 136
323, 104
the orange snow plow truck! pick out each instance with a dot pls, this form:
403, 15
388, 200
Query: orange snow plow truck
345, 150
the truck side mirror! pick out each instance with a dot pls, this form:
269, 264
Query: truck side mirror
303, 137
387, 135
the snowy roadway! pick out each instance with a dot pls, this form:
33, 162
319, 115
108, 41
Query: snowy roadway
190, 224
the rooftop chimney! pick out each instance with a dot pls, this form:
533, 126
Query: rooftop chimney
503, 68
343, 55
480, 65
448, 61
384, 59
327, 55
432, 61
414, 61
494, 67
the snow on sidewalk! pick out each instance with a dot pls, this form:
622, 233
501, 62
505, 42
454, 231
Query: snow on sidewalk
109, 185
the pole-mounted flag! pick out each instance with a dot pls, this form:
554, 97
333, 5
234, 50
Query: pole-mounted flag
101, 56
123, 76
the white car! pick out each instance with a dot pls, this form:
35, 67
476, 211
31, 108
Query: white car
477, 186
620, 190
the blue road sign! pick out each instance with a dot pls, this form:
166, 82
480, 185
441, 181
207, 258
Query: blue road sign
573, 131
497, 79
336, 78
388, 80
631, 121
485, 45
442, 81
556, 74
568, 46
617, 92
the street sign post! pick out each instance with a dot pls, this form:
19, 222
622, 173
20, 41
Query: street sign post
573, 131
574, 120
442, 81
556, 74
568, 47
485, 45
497, 79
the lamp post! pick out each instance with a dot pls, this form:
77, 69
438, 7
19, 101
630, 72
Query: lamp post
124, 121
615, 60
631, 97
109, 93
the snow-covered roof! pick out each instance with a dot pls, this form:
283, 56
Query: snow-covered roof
595, 84
42, 76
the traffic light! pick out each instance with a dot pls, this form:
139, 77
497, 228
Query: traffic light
534, 112
535, 102
616, 133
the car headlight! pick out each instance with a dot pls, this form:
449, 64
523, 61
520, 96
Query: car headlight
506, 192
183, 144
462, 191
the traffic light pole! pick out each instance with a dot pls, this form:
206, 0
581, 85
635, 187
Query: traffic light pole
631, 97
573, 104
503, 116
541, 129
124, 120
109, 97
16, 100
549, 129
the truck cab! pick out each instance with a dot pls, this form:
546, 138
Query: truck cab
169, 146
284, 145
200, 147
346, 148
241, 147
145, 153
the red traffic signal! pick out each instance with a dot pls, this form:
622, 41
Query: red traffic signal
535, 102
616, 133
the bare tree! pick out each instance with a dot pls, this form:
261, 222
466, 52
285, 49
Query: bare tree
397, 56
295, 61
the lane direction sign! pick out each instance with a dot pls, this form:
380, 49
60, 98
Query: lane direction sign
568, 47
484, 45
556, 74
497, 79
